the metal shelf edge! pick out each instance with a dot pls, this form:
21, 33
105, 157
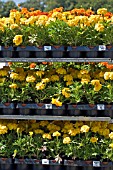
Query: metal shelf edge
70, 118
55, 60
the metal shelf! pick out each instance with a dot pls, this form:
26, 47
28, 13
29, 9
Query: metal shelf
55, 60
42, 117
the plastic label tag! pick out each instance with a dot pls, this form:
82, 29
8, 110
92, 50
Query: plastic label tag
102, 47
0, 48
48, 106
47, 48
100, 107
96, 163
45, 161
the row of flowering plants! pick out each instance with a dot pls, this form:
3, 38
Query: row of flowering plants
77, 27
56, 140
57, 83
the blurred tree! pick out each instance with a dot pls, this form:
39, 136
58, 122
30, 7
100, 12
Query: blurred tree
67, 4
95, 4
36, 4
6, 7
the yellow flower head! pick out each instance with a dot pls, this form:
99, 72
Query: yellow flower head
68, 83
56, 102
17, 39
66, 140
13, 86
38, 131
46, 136
61, 71
14, 76
54, 78
56, 133
40, 86
40, 73
111, 135
85, 128
31, 133
68, 77
93, 139
111, 145
107, 75
99, 27
30, 79
13, 26
102, 11
65, 92
85, 81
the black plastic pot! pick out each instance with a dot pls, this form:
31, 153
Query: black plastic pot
6, 52
6, 164
7, 108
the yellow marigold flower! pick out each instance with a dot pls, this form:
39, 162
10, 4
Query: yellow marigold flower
111, 76
68, 83
13, 86
13, 26
95, 129
14, 76
65, 92
3, 72
84, 71
12, 126
68, 77
66, 140
102, 11
46, 136
40, 86
61, 71
78, 123
30, 79
21, 76
85, 81
93, 139
101, 74
31, 133
72, 132
17, 39
44, 123
111, 135
56, 102
45, 80
107, 75
85, 128
99, 27
98, 87
56, 133
54, 78
38, 131
106, 132
111, 145
95, 82
39, 73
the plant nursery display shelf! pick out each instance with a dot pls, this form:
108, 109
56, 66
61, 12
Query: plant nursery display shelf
65, 118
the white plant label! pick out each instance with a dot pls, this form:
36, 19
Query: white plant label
100, 107
102, 47
47, 48
0, 48
48, 106
96, 163
45, 161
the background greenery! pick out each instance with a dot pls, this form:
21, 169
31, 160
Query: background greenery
47, 5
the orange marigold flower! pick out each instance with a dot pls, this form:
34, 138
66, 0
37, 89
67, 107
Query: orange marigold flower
32, 65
